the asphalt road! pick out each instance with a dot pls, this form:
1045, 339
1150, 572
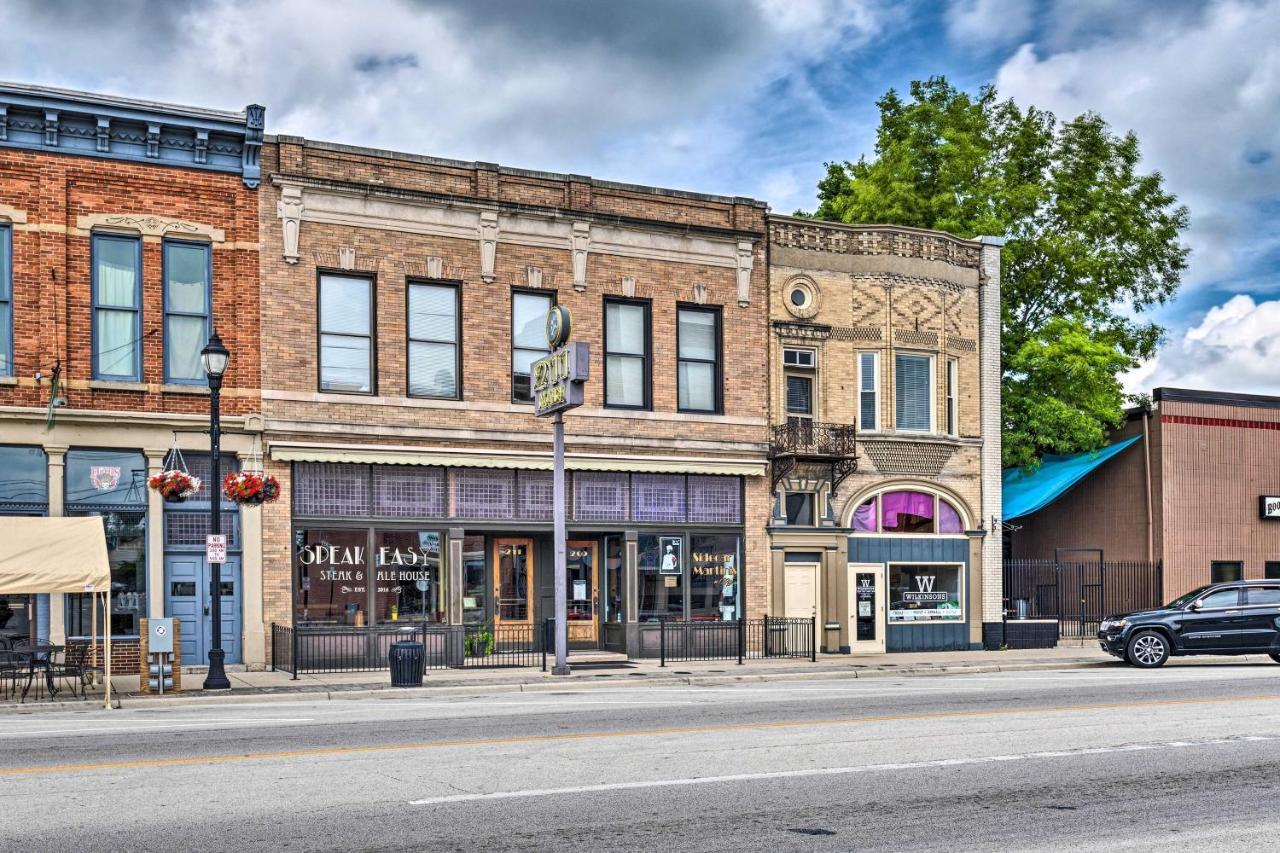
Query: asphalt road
1116, 759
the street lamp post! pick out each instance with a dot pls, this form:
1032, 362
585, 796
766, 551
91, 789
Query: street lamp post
214, 358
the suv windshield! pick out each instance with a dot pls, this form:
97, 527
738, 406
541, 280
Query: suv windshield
1186, 598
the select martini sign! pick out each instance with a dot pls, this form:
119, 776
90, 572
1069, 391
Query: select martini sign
558, 378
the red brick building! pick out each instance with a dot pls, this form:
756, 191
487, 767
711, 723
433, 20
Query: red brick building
128, 229
1198, 490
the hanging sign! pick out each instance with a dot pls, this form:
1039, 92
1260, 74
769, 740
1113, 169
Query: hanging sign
557, 378
1269, 507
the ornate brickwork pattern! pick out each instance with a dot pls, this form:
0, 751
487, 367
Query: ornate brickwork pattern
871, 240
908, 458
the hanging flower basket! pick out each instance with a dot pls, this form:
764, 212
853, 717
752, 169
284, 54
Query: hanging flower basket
250, 488
175, 486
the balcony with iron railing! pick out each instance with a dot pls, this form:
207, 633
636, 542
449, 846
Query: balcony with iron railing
805, 440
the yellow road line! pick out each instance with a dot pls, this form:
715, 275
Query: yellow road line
676, 730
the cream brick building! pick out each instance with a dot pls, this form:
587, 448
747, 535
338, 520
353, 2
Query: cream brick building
884, 369
401, 295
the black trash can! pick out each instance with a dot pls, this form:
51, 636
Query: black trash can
406, 658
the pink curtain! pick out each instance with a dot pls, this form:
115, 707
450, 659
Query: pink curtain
864, 517
948, 518
909, 503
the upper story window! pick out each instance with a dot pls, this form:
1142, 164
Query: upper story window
907, 511
913, 392
626, 354
528, 340
434, 356
798, 375
698, 359
187, 307
869, 391
117, 307
953, 397
792, 357
6, 300
346, 334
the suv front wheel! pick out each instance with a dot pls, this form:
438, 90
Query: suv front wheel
1148, 649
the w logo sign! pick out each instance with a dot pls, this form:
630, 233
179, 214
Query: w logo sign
924, 583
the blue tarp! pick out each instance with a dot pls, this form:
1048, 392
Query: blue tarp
1026, 493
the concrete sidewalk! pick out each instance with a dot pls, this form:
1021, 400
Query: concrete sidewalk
600, 670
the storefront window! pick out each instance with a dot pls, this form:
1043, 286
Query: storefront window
23, 479
127, 556
925, 593
613, 565
715, 587
331, 588
410, 583
661, 577
106, 477
473, 580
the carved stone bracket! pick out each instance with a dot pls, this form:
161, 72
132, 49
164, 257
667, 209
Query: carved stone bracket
628, 286
435, 267
488, 244
746, 260
102, 135
289, 209
346, 258
533, 277
581, 246
700, 293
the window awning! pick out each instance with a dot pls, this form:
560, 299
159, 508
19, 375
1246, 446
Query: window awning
473, 458
1028, 493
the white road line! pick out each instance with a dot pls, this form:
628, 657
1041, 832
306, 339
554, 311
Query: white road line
125, 726
831, 771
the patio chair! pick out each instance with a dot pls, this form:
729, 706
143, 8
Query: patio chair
13, 668
72, 668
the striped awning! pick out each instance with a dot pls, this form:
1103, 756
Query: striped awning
475, 458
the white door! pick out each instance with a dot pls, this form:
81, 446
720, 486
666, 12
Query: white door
866, 608
800, 598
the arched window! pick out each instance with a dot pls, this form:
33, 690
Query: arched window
908, 511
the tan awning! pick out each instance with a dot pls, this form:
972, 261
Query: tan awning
288, 452
53, 555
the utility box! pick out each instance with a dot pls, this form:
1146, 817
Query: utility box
160, 635
161, 656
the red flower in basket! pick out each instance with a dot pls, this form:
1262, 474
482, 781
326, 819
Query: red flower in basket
175, 486
250, 488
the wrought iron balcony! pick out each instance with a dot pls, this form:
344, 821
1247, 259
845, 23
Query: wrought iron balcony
805, 440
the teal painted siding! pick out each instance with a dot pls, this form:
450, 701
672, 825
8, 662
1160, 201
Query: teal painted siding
919, 638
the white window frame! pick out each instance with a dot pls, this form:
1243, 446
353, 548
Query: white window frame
963, 590
952, 391
813, 358
931, 395
874, 392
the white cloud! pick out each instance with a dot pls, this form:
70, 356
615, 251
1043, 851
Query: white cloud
987, 24
1200, 85
1236, 347
646, 92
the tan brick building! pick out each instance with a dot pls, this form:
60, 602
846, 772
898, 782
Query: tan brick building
127, 230
884, 364
403, 298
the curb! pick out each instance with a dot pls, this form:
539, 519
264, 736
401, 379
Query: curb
254, 696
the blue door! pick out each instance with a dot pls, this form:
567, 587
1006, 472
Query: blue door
187, 579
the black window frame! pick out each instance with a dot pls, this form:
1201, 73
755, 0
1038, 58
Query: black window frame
456, 287
812, 504
717, 366
647, 357
372, 279
511, 341
1215, 564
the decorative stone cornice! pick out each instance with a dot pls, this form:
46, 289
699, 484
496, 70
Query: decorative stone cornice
150, 225
792, 233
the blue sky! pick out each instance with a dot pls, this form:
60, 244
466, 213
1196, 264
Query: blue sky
742, 97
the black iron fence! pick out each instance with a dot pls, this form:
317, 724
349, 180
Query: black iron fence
744, 639
1079, 594
335, 648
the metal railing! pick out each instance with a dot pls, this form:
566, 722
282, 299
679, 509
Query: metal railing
1079, 593
814, 439
743, 639
336, 648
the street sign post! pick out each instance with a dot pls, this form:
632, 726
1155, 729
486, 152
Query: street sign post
557, 386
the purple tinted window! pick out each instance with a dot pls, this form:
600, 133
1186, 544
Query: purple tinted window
599, 496
864, 517
906, 512
483, 493
715, 499
534, 495
331, 489
408, 491
657, 497
948, 518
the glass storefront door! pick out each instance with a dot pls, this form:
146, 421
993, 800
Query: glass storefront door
583, 579
513, 577
866, 608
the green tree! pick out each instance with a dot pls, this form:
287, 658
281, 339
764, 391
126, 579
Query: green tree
1092, 243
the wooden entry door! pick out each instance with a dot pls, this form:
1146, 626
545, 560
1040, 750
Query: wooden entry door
513, 581
866, 608
583, 562
801, 598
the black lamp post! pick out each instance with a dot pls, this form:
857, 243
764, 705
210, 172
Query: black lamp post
214, 358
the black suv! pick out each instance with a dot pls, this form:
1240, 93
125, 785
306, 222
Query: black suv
1219, 619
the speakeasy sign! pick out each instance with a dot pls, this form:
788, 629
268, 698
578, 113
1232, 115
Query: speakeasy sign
557, 378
